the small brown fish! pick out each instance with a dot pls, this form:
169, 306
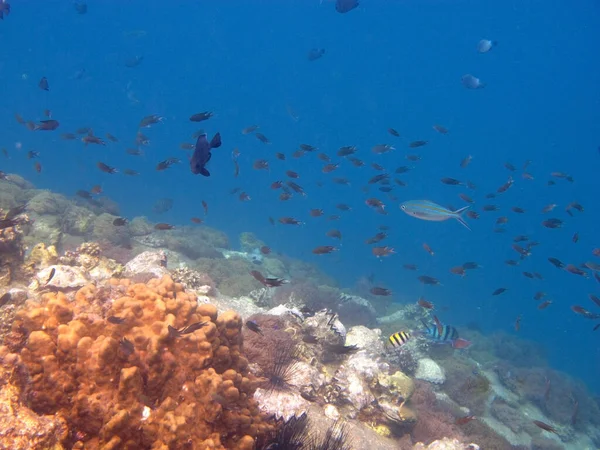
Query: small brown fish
290, 221
458, 270
43, 84
253, 326
393, 132
417, 144
499, 291
163, 226
425, 303
518, 323
126, 347
376, 290
106, 168
544, 426
201, 116
466, 161
262, 138
115, 320
544, 304
428, 249
426, 279
119, 222
336, 234
440, 129
324, 249
196, 220
250, 129
464, 420
380, 252
50, 276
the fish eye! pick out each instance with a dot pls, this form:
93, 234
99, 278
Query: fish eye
402, 207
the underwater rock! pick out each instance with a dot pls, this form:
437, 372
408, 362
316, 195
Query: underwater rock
429, 370
281, 404
64, 278
12, 254
355, 310
147, 265
48, 203
398, 384
140, 226
366, 339
249, 242
104, 230
77, 220
46, 229
446, 444
275, 268
326, 329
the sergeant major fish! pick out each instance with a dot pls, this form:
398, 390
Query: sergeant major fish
427, 210
202, 154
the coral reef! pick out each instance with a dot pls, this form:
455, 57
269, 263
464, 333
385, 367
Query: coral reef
119, 366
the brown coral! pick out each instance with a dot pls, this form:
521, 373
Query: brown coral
129, 382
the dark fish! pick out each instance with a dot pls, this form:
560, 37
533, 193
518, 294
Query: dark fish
553, 223
150, 120
163, 165
336, 234
262, 138
451, 181
499, 291
275, 282
162, 205
163, 226
545, 426
46, 125
105, 168
440, 129
196, 220
15, 211
91, 139
134, 61
466, 161
51, 275
253, 326
470, 265
8, 223
175, 333
43, 84
126, 347
344, 6
6, 297
556, 262
393, 132
130, 172
315, 54
202, 154
544, 305
410, 266
518, 323
289, 221
426, 279
417, 144
4, 9
202, 116
324, 249
347, 150
340, 349
382, 251
376, 290
119, 222
115, 320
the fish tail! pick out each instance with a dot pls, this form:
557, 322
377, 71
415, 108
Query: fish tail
458, 216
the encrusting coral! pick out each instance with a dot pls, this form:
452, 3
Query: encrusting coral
130, 374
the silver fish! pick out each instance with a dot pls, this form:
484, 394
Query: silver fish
471, 82
485, 45
427, 210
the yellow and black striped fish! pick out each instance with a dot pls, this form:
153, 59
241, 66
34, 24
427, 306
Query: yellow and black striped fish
399, 339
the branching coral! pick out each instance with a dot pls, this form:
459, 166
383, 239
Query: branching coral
121, 379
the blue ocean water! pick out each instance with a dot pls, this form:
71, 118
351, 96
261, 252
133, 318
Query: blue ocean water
386, 64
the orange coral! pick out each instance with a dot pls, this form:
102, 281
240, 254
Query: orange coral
129, 382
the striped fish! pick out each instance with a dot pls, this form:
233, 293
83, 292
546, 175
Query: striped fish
427, 210
444, 334
399, 339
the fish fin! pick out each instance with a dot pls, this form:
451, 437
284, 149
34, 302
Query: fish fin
216, 141
458, 216
463, 223
205, 172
